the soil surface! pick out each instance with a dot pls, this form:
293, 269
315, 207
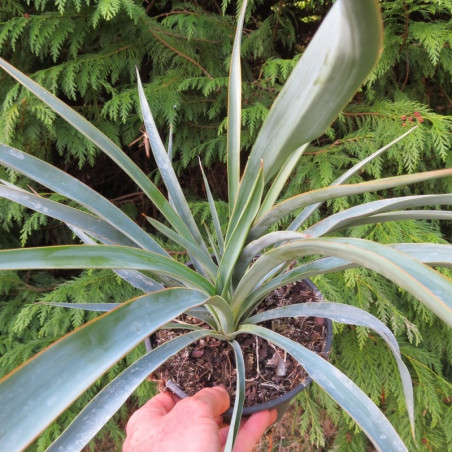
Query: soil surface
270, 372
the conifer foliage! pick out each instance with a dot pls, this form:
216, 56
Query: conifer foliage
86, 52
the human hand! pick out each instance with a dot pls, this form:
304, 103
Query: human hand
194, 424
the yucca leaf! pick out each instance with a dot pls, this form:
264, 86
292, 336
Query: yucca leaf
133, 277
354, 215
323, 194
213, 244
99, 307
235, 112
101, 256
68, 186
336, 62
179, 325
427, 285
434, 254
190, 246
103, 142
63, 371
200, 312
203, 314
166, 170
170, 156
239, 397
254, 248
346, 393
404, 215
91, 224
170, 144
213, 212
302, 271
281, 179
236, 237
309, 210
223, 313
430, 254
96, 414
349, 315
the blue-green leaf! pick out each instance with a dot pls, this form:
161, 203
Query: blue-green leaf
346, 393
427, 285
63, 183
338, 59
101, 256
95, 415
67, 368
355, 215
323, 194
91, 224
166, 170
309, 210
352, 316
235, 112
107, 146
239, 398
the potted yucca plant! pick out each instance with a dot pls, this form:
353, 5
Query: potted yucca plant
249, 262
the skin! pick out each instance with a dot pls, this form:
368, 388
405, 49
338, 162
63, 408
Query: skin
194, 424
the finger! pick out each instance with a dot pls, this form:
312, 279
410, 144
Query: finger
158, 406
219, 420
216, 398
223, 434
252, 430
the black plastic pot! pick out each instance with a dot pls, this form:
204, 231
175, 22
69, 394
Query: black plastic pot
281, 403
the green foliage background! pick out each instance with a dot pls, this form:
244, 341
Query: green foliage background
86, 51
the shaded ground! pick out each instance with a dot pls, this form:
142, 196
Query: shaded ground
285, 436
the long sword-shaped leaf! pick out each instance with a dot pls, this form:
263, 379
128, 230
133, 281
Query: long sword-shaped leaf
213, 212
96, 414
334, 65
434, 254
213, 244
170, 156
223, 312
166, 169
235, 112
352, 316
95, 226
103, 142
190, 246
404, 215
346, 393
254, 248
101, 256
99, 307
430, 254
63, 183
350, 217
236, 237
67, 368
286, 207
281, 179
199, 312
427, 285
303, 271
309, 210
76, 220
133, 277
239, 398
